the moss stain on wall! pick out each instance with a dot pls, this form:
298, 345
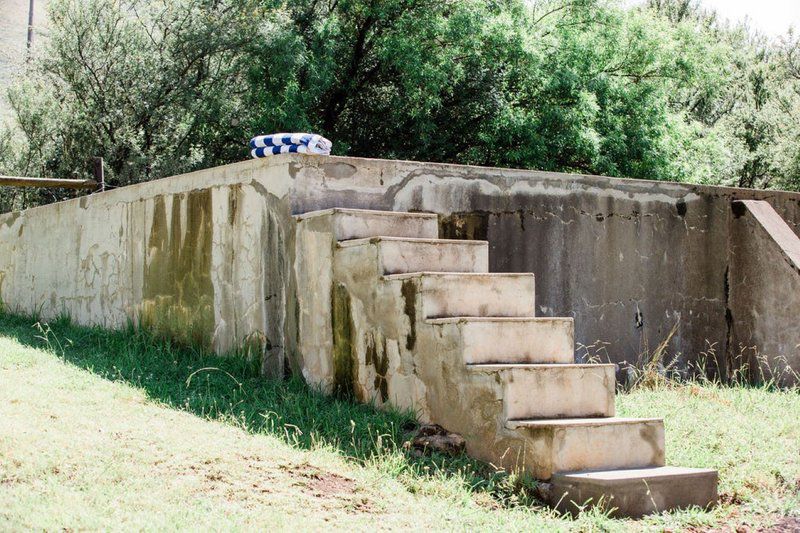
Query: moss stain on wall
375, 355
344, 368
178, 296
409, 291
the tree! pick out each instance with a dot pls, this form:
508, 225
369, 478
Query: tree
787, 112
159, 87
152, 86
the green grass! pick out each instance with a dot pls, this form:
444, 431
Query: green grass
119, 430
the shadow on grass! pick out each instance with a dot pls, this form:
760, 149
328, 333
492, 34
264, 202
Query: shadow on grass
230, 389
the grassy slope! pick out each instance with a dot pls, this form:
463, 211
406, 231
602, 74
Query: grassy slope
106, 430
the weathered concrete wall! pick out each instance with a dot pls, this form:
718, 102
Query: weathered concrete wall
201, 257
628, 259
764, 285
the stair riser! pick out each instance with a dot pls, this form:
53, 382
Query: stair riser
477, 297
348, 226
577, 392
550, 341
400, 257
598, 447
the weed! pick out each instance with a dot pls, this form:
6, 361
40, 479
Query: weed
653, 369
50, 339
657, 368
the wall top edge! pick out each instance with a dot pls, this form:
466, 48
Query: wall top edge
270, 173
473, 171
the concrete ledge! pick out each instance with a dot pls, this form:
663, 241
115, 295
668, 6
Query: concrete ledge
580, 422
555, 391
398, 255
775, 226
416, 240
582, 444
349, 224
500, 367
365, 212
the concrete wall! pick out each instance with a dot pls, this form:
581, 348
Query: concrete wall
201, 257
764, 294
628, 259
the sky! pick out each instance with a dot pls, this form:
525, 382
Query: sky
772, 17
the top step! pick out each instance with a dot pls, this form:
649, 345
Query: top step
351, 224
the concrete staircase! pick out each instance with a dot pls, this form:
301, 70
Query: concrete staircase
408, 319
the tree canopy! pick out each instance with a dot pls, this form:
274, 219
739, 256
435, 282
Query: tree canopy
157, 87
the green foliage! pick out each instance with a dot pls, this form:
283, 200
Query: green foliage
147, 85
159, 87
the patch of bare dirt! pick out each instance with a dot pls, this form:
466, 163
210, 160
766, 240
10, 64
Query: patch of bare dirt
324, 484
784, 525
327, 485
706, 394
334, 489
224, 477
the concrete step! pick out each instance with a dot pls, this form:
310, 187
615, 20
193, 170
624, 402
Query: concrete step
402, 255
576, 444
363, 223
473, 294
555, 391
635, 492
513, 340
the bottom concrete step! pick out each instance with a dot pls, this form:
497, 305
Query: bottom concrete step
635, 493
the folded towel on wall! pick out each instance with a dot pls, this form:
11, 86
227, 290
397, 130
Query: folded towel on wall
289, 143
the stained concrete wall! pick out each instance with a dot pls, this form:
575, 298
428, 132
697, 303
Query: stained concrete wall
628, 259
200, 257
764, 291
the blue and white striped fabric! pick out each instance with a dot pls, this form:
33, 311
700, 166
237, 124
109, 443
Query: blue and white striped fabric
289, 143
